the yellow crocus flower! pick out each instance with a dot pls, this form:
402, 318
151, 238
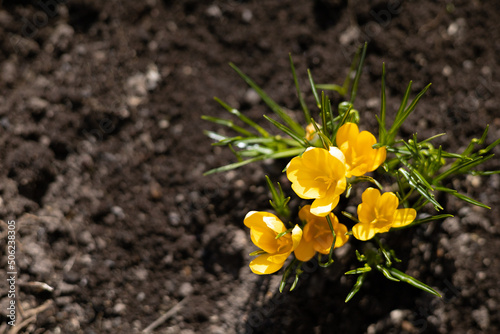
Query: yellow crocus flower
317, 236
378, 213
319, 174
356, 146
264, 227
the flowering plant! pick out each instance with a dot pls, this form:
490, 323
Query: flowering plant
329, 156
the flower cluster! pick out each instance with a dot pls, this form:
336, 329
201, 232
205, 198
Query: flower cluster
322, 175
328, 159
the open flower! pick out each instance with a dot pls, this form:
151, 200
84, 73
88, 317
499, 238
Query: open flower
317, 236
319, 174
378, 213
360, 157
264, 227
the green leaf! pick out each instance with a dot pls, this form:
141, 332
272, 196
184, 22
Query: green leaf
278, 155
415, 184
359, 282
462, 166
302, 141
307, 115
294, 126
412, 281
332, 247
424, 220
257, 252
387, 273
313, 88
354, 89
358, 271
288, 271
489, 147
462, 197
242, 117
403, 113
364, 178
381, 121
228, 123
298, 271
350, 216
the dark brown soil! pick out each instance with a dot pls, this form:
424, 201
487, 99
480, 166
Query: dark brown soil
102, 154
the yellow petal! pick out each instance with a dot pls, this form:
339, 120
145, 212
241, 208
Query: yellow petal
304, 213
248, 218
264, 220
261, 265
264, 239
304, 179
366, 210
403, 217
305, 251
372, 158
296, 236
309, 188
370, 196
363, 231
387, 205
337, 153
316, 171
323, 206
377, 158
341, 237
347, 133
364, 143
358, 170
279, 257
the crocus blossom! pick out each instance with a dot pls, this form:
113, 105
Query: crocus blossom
317, 236
264, 227
319, 174
378, 213
360, 157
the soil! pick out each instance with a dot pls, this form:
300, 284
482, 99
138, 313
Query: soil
102, 155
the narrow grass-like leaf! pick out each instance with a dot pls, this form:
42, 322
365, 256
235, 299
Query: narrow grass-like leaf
387, 273
462, 197
402, 115
325, 109
228, 123
350, 216
298, 271
364, 178
381, 122
292, 152
302, 141
258, 252
354, 89
359, 282
337, 88
307, 114
215, 136
412, 281
489, 147
313, 88
414, 183
462, 167
270, 102
359, 271
242, 117
424, 220
286, 274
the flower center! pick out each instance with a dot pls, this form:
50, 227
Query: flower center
327, 180
283, 242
